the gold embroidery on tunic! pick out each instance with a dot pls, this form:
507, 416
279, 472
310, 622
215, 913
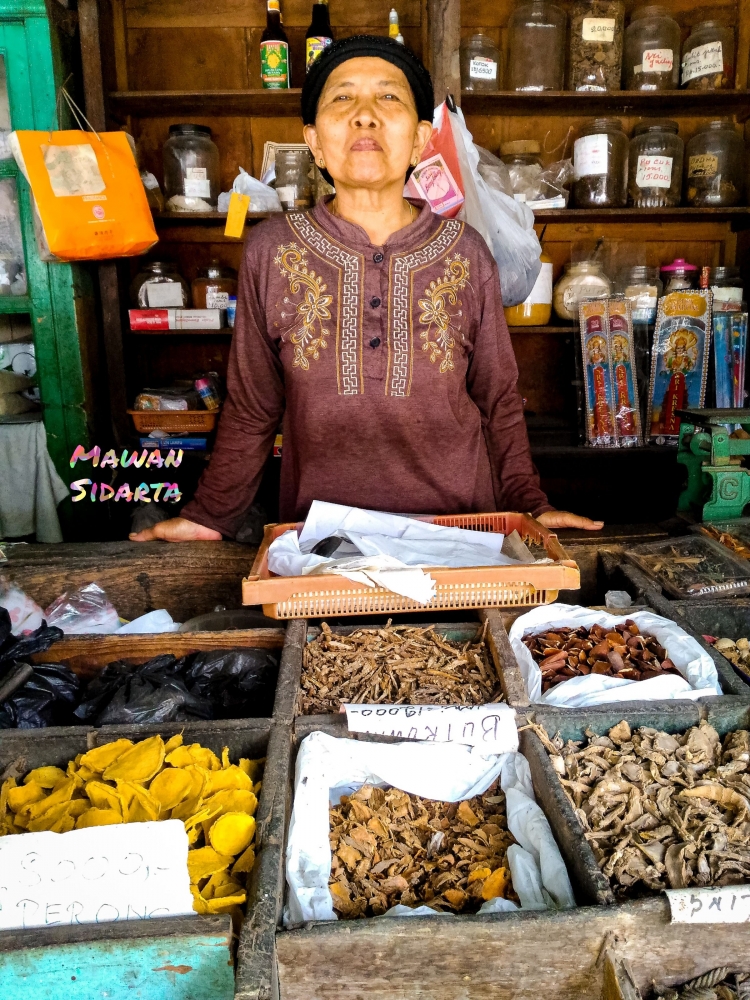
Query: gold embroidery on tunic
309, 336
439, 296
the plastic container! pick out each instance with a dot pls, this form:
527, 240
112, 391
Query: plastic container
175, 421
726, 286
471, 587
538, 26
596, 37
734, 534
214, 286
655, 165
600, 164
651, 56
294, 181
480, 64
159, 285
714, 167
582, 280
692, 566
191, 169
523, 159
708, 57
679, 276
537, 309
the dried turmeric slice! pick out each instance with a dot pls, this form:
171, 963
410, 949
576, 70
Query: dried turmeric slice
232, 833
171, 786
194, 754
48, 819
218, 881
142, 806
496, 883
244, 862
173, 742
252, 768
63, 793
24, 795
230, 800
192, 802
140, 763
478, 873
229, 777
46, 777
104, 796
226, 904
100, 758
98, 817
205, 861
4, 790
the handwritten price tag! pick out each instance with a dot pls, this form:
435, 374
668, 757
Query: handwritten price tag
729, 904
490, 727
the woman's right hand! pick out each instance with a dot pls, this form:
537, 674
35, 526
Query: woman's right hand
177, 529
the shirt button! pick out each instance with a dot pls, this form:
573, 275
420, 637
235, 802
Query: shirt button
378, 258
375, 342
374, 302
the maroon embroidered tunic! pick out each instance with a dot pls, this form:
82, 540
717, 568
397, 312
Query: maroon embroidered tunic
392, 368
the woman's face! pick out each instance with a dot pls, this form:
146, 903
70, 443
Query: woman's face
366, 128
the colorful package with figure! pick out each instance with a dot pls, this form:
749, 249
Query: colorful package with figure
679, 360
622, 362
600, 416
730, 351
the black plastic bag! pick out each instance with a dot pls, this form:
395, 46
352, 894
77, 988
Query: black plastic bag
101, 689
46, 699
240, 683
21, 647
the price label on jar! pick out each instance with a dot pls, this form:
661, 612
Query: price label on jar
483, 68
654, 172
657, 61
590, 156
702, 61
598, 29
704, 165
217, 300
197, 184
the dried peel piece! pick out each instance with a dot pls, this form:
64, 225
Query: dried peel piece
23, 795
496, 884
244, 862
98, 817
172, 743
232, 833
183, 756
230, 777
171, 786
205, 861
63, 793
100, 758
45, 777
104, 796
139, 763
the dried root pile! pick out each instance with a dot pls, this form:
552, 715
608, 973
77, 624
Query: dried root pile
717, 984
737, 653
661, 811
399, 665
390, 847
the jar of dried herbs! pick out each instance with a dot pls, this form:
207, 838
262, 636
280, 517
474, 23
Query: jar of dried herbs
655, 165
596, 36
651, 59
708, 57
536, 27
600, 165
480, 64
714, 166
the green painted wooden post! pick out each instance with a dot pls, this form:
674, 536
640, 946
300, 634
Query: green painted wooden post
33, 75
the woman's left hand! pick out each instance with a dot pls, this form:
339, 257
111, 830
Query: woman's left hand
564, 519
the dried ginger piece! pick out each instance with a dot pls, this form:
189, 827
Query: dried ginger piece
390, 847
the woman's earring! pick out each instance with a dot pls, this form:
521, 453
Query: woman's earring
321, 162
415, 161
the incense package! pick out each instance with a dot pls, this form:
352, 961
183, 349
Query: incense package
600, 414
730, 351
622, 362
679, 361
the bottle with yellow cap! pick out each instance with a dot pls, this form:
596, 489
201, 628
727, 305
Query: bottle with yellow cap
275, 68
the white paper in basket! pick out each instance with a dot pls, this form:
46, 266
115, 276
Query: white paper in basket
328, 767
699, 676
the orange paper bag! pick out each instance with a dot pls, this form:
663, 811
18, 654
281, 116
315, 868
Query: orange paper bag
88, 193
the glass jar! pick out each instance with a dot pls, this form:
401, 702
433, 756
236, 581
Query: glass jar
536, 310
522, 157
480, 64
596, 33
726, 285
651, 58
294, 180
191, 169
643, 287
214, 286
536, 27
708, 57
655, 165
159, 285
714, 166
583, 280
600, 165
679, 276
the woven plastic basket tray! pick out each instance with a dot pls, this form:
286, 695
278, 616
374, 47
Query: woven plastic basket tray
177, 421
472, 587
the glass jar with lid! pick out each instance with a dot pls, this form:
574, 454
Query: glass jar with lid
534, 28
536, 310
679, 276
191, 169
714, 171
582, 280
480, 64
655, 165
596, 36
651, 57
726, 285
600, 165
214, 286
708, 57
522, 157
159, 285
294, 179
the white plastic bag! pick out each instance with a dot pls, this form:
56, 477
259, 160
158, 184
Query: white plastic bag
328, 768
25, 613
152, 621
506, 225
262, 197
699, 676
85, 610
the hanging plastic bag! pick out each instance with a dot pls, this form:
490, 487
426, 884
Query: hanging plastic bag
88, 194
262, 197
437, 177
83, 611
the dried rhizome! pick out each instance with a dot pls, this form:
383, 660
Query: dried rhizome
390, 847
661, 811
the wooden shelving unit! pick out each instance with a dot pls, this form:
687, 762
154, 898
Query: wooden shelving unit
649, 104
251, 103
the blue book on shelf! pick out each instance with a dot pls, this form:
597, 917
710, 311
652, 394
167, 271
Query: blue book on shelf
186, 443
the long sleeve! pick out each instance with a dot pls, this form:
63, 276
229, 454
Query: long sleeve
492, 384
251, 413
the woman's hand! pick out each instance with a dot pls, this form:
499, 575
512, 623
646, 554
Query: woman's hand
177, 529
564, 519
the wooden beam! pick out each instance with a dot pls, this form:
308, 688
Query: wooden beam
445, 37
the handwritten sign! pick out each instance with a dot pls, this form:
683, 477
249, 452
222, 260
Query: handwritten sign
728, 904
491, 727
97, 875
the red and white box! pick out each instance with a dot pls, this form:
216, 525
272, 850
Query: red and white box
177, 319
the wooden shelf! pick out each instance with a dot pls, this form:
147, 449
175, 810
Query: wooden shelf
623, 102
205, 218
549, 328
206, 103
738, 216
225, 331
576, 451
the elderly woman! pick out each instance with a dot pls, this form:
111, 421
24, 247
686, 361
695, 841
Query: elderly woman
374, 327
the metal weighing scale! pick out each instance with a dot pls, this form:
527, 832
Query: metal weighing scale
714, 463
